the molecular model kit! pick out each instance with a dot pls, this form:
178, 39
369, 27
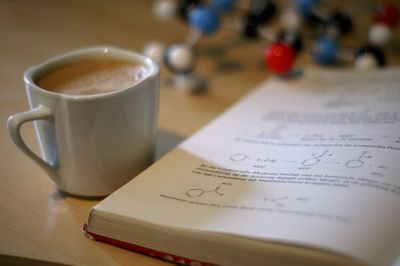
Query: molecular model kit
327, 25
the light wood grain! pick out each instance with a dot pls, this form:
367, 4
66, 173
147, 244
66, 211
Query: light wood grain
37, 221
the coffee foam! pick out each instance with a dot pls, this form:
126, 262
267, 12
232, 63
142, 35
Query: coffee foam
93, 77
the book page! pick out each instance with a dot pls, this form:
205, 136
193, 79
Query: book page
314, 162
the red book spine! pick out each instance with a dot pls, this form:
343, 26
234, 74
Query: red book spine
143, 250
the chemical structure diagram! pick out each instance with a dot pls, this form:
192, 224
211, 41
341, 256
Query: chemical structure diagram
239, 157
354, 163
359, 161
315, 159
198, 192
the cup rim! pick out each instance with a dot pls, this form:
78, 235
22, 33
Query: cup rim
88, 52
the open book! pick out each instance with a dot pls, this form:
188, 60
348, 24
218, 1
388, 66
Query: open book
303, 172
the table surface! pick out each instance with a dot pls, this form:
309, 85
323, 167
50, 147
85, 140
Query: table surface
37, 222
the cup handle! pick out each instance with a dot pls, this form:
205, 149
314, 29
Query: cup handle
14, 124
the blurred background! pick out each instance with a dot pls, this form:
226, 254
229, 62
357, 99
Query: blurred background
34, 31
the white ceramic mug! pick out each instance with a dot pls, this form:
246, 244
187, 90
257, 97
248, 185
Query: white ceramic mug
91, 144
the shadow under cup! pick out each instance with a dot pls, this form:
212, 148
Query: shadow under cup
92, 144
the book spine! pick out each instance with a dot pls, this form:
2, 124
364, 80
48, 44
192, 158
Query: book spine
143, 250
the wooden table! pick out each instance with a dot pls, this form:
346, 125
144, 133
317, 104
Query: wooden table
37, 221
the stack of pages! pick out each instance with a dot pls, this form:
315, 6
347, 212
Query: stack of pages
303, 172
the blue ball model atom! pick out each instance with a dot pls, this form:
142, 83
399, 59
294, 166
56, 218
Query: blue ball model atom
204, 19
325, 50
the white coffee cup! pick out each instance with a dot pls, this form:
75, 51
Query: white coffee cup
91, 144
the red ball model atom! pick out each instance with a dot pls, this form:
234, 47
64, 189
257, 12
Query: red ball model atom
279, 58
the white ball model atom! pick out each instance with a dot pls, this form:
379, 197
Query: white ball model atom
180, 58
379, 34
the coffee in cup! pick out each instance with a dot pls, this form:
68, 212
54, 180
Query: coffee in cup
95, 112
93, 76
